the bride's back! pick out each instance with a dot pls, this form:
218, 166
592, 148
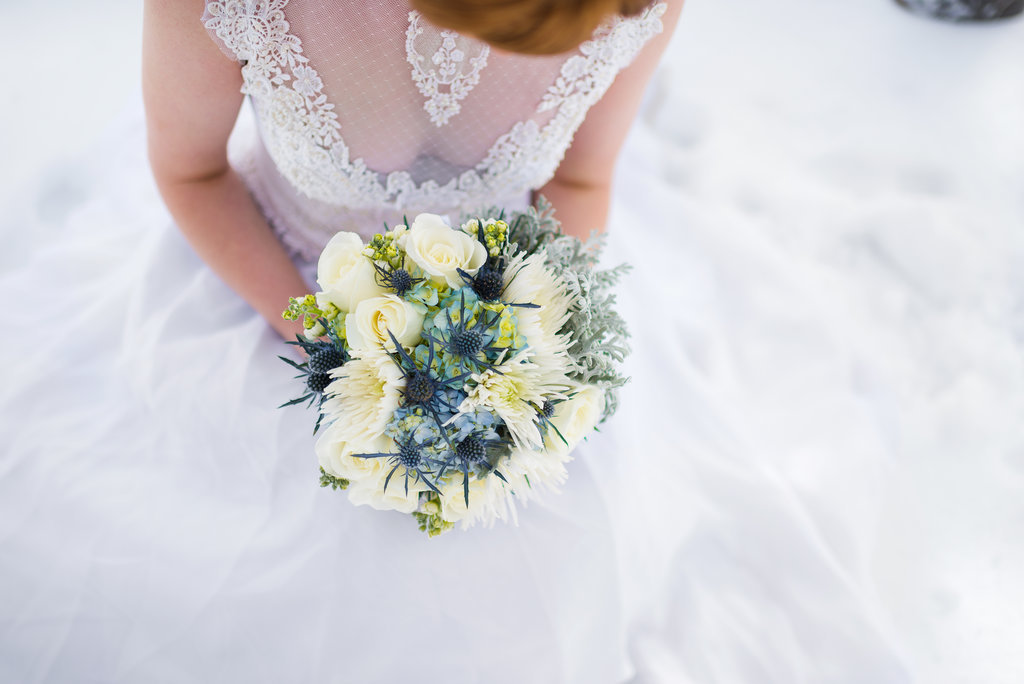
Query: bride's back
366, 110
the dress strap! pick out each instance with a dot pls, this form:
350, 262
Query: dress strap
246, 29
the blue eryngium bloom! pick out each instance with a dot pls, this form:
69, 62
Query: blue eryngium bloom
323, 356
427, 452
436, 396
414, 464
476, 452
465, 332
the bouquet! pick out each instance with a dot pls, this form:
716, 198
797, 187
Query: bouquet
454, 369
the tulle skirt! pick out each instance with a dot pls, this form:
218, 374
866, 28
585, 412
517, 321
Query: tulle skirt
161, 520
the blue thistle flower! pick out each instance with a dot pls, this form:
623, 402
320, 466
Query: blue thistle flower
413, 462
488, 283
477, 447
424, 390
399, 280
468, 336
544, 414
323, 356
476, 453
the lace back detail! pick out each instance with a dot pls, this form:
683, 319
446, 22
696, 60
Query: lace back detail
444, 84
353, 121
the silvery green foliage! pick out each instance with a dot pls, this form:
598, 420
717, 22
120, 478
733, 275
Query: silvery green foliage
531, 229
598, 332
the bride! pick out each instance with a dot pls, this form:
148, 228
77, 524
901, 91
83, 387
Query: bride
364, 120
163, 519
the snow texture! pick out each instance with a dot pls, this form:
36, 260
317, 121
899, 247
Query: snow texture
844, 186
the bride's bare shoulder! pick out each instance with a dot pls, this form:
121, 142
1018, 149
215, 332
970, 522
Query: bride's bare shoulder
591, 158
192, 92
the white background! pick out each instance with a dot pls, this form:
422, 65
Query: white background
865, 172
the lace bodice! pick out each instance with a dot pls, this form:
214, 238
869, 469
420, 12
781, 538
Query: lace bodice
365, 111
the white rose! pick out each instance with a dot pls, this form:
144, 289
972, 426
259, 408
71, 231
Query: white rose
367, 327
336, 456
488, 501
576, 417
344, 274
440, 251
369, 492
366, 475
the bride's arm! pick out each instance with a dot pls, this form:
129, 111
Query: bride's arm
581, 187
192, 98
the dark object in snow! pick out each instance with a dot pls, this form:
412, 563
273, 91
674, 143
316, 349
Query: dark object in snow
965, 10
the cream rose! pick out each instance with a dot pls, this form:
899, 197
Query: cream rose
440, 251
367, 327
576, 417
482, 497
337, 456
366, 475
344, 274
394, 499
370, 492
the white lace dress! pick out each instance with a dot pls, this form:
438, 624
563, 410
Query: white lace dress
363, 121
160, 518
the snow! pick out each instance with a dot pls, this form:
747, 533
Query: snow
852, 179
850, 273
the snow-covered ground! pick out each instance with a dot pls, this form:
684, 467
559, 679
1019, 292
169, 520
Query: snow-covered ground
853, 182
861, 173
69, 67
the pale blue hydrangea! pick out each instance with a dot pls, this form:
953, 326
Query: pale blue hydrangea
425, 295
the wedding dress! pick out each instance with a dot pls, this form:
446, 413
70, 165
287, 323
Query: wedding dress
161, 519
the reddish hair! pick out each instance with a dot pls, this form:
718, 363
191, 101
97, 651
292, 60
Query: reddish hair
538, 27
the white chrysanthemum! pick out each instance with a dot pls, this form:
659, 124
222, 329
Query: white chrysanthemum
512, 390
546, 350
529, 280
532, 471
527, 472
364, 396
